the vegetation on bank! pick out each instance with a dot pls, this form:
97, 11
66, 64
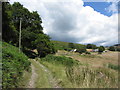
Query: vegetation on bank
14, 64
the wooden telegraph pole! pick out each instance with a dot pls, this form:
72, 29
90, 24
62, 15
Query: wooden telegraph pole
20, 37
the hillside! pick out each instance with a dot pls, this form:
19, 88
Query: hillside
14, 64
59, 45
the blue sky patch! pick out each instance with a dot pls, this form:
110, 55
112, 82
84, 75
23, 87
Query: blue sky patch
99, 7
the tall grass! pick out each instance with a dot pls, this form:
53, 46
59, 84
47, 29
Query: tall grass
87, 77
57, 65
71, 74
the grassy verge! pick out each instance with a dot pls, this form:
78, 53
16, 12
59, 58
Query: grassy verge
58, 65
71, 74
59, 74
23, 83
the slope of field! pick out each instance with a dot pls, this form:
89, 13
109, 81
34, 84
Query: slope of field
15, 65
59, 45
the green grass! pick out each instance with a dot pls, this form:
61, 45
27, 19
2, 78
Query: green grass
59, 45
72, 75
24, 80
58, 65
67, 61
42, 78
14, 64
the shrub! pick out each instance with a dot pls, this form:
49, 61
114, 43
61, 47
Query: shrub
112, 48
87, 52
60, 60
101, 49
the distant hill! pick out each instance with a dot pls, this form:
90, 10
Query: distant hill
117, 45
59, 45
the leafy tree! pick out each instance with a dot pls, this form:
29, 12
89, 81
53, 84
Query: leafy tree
81, 48
43, 45
91, 46
8, 29
101, 49
71, 45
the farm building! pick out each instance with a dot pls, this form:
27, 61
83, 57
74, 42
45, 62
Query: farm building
73, 50
95, 50
89, 50
92, 50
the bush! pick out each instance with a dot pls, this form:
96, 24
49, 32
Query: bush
87, 52
44, 45
14, 63
112, 48
81, 49
101, 49
60, 60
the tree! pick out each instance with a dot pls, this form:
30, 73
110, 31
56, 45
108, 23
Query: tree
32, 36
112, 48
8, 29
81, 48
91, 46
71, 45
101, 49
43, 45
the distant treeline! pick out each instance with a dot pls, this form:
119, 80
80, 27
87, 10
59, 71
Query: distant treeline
80, 47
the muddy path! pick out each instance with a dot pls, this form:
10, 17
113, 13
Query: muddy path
33, 80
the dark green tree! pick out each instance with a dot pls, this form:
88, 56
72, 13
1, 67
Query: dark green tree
91, 46
8, 29
81, 48
43, 45
71, 45
101, 49
112, 48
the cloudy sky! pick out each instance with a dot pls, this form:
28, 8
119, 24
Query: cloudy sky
77, 21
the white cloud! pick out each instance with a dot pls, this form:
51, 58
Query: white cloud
68, 21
